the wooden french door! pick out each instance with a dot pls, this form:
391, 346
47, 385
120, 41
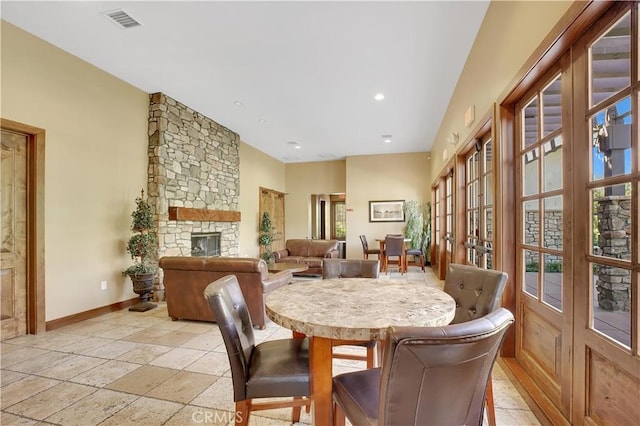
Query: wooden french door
478, 225
607, 235
577, 252
443, 197
543, 255
436, 226
13, 235
273, 202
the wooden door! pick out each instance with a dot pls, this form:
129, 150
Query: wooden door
449, 222
13, 236
273, 202
477, 225
543, 246
607, 233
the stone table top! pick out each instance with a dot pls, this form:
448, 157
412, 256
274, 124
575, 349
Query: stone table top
357, 308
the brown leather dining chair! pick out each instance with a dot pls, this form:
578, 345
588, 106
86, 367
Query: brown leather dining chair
430, 376
353, 268
271, 369
393, 248
476, 292
366, 251
416, 252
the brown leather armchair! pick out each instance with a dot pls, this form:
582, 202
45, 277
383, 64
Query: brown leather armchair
430, 376
271, 369
185, 279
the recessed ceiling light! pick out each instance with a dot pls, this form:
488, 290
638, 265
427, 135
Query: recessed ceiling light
238, 103
297, 147
386, 138
262, 120
379, 96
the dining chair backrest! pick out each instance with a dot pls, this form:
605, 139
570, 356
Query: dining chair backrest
420, 248
393, 245
232, 315
476, 291
365, 244
424, 366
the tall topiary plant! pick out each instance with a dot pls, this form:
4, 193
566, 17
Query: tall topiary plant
142, 246
265, 237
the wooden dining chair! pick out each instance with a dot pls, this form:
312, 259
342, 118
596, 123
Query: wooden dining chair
429, 376
271, 369
366, 251
354, 268
477, 293
417, 252
393, 248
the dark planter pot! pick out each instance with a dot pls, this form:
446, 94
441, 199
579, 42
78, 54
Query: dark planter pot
143, 285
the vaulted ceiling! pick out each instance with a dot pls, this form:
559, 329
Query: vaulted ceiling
296, 79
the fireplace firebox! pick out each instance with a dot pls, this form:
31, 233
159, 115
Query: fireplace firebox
205, 244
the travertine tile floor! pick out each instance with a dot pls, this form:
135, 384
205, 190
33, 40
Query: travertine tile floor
127, 367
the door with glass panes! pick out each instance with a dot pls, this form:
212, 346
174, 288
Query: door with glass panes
578, 263
478, 241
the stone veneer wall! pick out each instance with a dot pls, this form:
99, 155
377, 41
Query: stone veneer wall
193, 162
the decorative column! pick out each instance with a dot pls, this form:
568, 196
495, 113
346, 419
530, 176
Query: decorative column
614, 223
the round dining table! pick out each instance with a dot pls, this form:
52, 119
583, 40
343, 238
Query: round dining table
351, 310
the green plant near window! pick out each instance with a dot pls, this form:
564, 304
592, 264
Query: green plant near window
415, 225
142, 246
266, 237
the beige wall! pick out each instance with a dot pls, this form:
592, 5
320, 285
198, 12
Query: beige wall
256, 169
95, 166
302, 180
509, 34
382, 177
96, 154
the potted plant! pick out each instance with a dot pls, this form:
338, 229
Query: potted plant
142, 246
414, 229
265, 237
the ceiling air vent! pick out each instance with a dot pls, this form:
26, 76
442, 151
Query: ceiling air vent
122, 19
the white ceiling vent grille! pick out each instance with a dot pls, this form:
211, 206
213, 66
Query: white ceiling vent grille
122, 19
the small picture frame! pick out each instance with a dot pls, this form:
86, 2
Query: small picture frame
386, 211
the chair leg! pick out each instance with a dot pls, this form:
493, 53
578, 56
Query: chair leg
491, 413
371, 356
295, 414
338, 415
243, 408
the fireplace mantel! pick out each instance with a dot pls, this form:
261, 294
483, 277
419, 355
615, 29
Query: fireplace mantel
203, 215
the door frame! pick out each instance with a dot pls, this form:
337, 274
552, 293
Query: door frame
35, 223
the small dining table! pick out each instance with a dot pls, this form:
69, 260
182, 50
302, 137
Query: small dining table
348, 311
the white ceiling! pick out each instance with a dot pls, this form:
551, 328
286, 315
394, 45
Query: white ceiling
304, 72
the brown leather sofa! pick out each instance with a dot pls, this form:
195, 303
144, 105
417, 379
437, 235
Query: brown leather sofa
185, 279
309, 252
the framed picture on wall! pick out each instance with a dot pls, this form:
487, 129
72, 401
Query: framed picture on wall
386, 211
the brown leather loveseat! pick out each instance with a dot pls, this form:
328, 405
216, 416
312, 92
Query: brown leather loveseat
185, 279
309, 252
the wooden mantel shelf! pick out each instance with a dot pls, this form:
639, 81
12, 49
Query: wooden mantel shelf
203, 215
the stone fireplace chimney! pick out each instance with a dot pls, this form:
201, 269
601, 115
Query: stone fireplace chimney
194, 178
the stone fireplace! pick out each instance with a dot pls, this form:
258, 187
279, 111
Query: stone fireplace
193, 178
